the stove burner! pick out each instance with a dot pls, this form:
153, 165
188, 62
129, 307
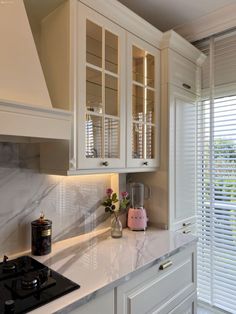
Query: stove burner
26, 284
9, 267
29, 281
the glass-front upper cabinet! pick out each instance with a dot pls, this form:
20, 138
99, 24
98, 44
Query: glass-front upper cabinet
101, 92
143, 104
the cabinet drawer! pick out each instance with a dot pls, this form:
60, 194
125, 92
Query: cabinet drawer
189, 229
170, 281
184, 224
183, 72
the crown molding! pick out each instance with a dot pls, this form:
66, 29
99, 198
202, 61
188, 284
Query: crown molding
210, 24
174, 41
127, 19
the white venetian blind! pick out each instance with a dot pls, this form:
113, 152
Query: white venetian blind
217, 174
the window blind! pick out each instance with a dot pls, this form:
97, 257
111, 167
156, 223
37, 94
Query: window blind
216, 174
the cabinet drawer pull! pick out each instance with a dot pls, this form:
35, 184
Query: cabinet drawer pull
186, 86
165, 265
105, 163
186, 231
145, 163
186, 224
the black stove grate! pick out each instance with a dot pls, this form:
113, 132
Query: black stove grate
47, 285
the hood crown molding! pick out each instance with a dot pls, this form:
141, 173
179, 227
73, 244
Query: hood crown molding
174, 41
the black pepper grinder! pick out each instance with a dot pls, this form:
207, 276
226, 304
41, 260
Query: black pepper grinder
41, 236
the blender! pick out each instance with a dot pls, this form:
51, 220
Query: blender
137, 216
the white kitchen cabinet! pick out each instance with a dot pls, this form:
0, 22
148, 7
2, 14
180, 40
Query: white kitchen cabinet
101, 91
182, 157
161, 288
166, 287
95, 80
173, 201
89, 63
143, 94
182, 72
103, 303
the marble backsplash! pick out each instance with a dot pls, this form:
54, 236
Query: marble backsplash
72, 203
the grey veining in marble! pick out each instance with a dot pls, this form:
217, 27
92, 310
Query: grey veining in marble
99, 263
72, 203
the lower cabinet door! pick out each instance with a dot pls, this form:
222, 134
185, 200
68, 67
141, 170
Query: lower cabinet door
103, 304
188, 306
160, 288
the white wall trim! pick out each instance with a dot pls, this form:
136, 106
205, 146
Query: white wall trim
212, 23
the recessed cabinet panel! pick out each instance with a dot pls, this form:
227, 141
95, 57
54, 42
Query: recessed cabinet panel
93, 136
111, 95
149, 141
137, 102
143, 95
150, 74
182, 148
138, 56
112, 130
94, 90
93, 44
111, 52
150, 106
138, 141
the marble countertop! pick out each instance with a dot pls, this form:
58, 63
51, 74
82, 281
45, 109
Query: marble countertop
99, 263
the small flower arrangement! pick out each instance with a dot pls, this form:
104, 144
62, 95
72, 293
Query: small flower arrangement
124, 202
111, 199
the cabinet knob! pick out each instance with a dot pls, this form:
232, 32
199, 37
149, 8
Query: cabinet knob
105, 163
186, 231
145, 163
186, 224
186, 86
165, 265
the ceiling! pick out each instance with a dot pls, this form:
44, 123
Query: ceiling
163, 14
168, 14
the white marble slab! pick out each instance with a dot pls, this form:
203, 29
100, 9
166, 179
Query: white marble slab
72, 203
98, 262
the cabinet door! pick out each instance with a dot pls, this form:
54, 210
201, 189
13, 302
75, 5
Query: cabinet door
100, 304
182, 164
101, 91
188, 306
160, 288
143, 75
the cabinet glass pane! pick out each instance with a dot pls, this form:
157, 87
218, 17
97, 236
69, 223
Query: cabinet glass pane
93, 44
149, 136
111, 95
138, 101
111, 144
111, 52
137, 141
150, 70
94, 90
138, 65
93, 136
150, 106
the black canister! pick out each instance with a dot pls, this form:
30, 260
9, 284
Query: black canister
41, 236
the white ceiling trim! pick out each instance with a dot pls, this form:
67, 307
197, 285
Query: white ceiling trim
210, 24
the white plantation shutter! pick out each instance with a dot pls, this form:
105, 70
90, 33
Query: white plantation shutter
216, 173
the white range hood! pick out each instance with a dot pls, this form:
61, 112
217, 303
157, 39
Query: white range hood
25, 105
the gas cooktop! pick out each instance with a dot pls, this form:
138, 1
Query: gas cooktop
26, 284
